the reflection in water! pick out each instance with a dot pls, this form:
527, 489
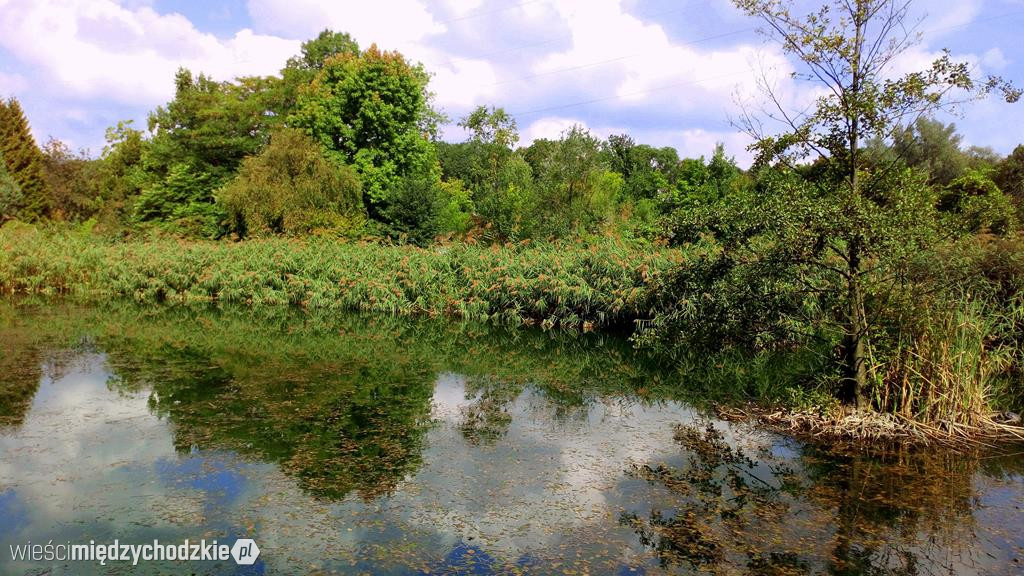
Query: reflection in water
824, 512
355, 445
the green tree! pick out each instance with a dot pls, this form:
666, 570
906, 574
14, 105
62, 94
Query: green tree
198, 140
1009, 176
122, 173
24, 160
978, 205
371, 110
572, 182
10, 193
291, 188
933, 147
301, 69
73, 181
846, 47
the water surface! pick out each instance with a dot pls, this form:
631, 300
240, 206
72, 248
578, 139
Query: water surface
358, 445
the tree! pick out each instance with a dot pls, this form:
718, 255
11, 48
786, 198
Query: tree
1009, 176
24, 161
10, 193
198, 141
371, 110
291, 188
491, 126
845, 46
300, 70
571, 181
122, 173
73, 181
317, 51
933, 147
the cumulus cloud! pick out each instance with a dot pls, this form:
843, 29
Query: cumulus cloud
677, 75
391, 24
100, 49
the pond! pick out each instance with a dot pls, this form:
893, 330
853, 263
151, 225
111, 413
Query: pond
360, 445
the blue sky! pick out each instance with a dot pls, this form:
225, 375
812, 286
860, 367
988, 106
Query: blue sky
668, 72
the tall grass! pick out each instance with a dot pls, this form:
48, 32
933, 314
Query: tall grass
957, 351
567, 285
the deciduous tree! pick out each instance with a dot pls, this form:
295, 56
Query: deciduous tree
846, 47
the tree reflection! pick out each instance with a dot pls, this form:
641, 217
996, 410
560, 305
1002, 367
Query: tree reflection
341, 403
889, 513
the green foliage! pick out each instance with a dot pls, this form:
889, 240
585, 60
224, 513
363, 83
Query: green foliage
23, 161
291, 188
181, 203
455, 208
10, 193
121, 174
572, 286
491, 127
73, 181
370, 110
1009, 176
413, 212
978, 204
301, 69
933, 147
571, 183
319, 50
198, 141
862, 228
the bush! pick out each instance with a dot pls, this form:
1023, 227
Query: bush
569, 285
291, 188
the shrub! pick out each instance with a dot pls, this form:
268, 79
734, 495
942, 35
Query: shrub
290, 188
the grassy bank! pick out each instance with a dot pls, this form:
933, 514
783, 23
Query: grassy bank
578, 286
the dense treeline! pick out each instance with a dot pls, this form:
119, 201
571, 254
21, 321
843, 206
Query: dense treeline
343, 143
865, 240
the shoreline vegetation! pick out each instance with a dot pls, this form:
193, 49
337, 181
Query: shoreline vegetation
560, 285
865, 273
599, 286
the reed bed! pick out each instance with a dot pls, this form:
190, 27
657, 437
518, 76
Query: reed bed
571, 285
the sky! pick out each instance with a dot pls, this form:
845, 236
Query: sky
668, 72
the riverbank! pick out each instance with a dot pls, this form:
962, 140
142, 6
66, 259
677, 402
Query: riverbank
600, 285
568, 285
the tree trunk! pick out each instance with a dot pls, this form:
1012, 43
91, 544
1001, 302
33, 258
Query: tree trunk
855, 348
856, 374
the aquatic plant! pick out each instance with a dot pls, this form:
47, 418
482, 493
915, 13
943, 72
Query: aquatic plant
574, 285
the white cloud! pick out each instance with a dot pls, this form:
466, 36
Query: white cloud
640, 64
391, 24
463, 83
462, 7
550, 127
100, 49
994, 59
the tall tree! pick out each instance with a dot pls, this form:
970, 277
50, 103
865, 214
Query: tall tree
73, 180
1009, 176
10, 193
371, 110
24, 160
198, 141
302, 68
933, 147
846, 46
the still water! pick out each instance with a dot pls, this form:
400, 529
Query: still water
359, 445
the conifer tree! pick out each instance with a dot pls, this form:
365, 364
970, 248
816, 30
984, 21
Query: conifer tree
23, 160
10, 193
